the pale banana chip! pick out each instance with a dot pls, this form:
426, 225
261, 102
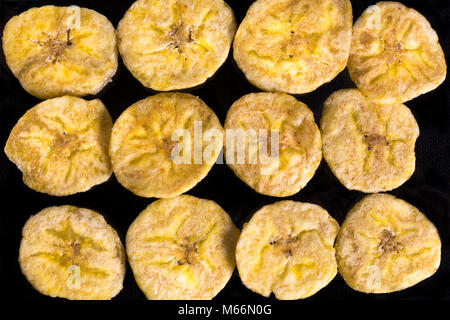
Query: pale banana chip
182, 248
287, 248
61, 145
56, 51
72, 253
175, 44
149, 155
294, 46
385, 245
369, 147
395, 54
279, 170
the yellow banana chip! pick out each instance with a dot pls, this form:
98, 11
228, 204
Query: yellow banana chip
294, 46
61, 145
368, 147
385, 245
175, 44
56, 51
395, 54
182, 248
164, 145
287, 248
72, 253
289, 147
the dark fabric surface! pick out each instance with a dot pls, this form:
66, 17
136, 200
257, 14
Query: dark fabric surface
428, 189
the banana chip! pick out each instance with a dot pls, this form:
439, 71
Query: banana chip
56, 51
175, 44
72, 253
385, 245
287, 248
286, 164
61, 145
294, 46
182, 248
395, 54
368, 147
164, 145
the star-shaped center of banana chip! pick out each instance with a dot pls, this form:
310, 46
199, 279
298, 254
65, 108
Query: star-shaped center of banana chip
54, 46
388, 242
180, 35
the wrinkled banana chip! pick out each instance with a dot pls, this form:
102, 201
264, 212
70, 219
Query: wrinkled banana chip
294, 46
282, 143
150, 154
182, 248
287, 248
61, 145
72, 253
56, 51
368, 147
385, 245
175, 44
395, 54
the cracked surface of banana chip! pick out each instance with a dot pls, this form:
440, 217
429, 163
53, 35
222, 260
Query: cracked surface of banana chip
151, 157
182, 248
385, 245
175, 44
294, 46
57, 51
369, 147
72, 253
61, 145
298, 147
395, 54
287, 248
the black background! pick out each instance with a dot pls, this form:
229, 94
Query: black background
428, 188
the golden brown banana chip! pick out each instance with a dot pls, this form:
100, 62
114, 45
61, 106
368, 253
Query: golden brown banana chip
395, 54
368, 147
164, 145
294, 46
298, 146
72, 253
287, 248
56, 51
175, 44
61, 145
182, 248
385, 245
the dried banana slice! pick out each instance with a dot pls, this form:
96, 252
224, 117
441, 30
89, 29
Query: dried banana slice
368, 147
164, 145
56, 51
61, 145
182, 248
175, 44
395, 54
72, 253
287, 248
294, 46
385, 245
297, 144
